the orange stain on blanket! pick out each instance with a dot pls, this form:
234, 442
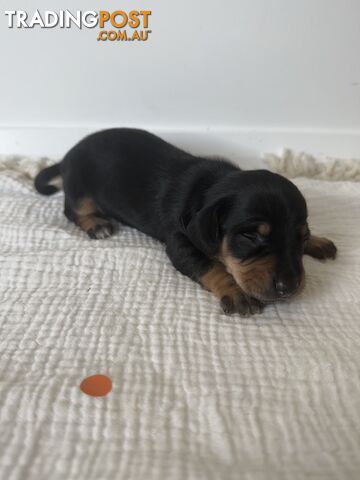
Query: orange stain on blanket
96, 385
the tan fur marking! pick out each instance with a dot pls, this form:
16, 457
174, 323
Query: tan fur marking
220, 282
254, 276
86, 215
87, 222
264, 229
56, 182
86, 206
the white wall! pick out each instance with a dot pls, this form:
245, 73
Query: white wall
241, 76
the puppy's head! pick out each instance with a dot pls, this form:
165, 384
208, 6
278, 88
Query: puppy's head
256, 227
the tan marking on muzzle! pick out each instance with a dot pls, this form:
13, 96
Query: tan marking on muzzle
254, 276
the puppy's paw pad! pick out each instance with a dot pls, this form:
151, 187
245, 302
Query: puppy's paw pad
101, 231
243, 305
247, 306
255, 305
329, 249
228, 305
323, 249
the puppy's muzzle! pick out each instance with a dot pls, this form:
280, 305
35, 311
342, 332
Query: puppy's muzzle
257, 278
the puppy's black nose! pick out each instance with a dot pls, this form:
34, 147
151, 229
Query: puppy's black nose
280, 288
283, 289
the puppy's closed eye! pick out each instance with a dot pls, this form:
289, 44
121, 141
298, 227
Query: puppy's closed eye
252, 237
257, 234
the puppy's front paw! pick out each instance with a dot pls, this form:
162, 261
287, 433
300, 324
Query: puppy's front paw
247, 306
101, 231
232, 299
320, 248
241, 304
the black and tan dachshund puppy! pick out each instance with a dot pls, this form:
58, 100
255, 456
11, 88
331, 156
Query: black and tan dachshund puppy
240, 234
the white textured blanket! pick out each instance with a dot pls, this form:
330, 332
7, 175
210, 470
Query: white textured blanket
196, 395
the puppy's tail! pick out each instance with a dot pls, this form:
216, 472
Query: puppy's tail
49, 180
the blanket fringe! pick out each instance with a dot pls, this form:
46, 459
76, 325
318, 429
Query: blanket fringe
28, 167
299, 164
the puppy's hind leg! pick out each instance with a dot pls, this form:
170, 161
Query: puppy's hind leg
89, 218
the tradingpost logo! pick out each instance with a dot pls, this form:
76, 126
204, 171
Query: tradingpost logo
132, 26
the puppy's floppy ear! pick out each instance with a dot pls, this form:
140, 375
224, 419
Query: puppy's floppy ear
204, 228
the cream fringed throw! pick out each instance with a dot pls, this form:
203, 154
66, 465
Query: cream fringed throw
293, 164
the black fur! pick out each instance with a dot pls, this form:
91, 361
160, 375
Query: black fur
46, 175
190, 203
